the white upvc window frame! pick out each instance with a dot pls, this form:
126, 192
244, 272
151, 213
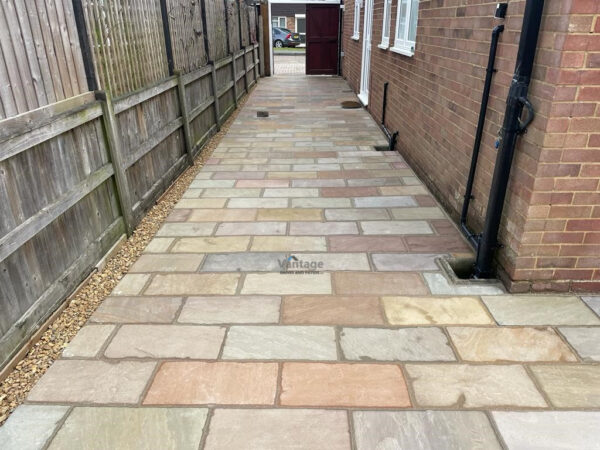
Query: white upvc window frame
357, 6
279, 22
402, 43
387, 24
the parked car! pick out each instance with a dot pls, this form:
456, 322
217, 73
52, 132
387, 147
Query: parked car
282, 37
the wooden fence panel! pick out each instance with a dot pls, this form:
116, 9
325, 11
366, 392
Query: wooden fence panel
253, 26
152, 142
233, 16
59, 216
217, 34
128, 43
244, 20
40, 58
199, 97
187, 34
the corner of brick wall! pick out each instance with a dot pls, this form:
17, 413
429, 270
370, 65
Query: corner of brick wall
550, 229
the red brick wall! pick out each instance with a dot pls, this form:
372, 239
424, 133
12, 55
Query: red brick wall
551, 225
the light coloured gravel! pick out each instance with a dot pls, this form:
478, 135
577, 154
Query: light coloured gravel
15, 387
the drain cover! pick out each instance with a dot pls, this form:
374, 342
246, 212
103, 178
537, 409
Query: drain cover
262, 113
351, 104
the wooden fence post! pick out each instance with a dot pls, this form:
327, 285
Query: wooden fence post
84, 43
187, 135
115, 150
245, 70
167, 33
215, 86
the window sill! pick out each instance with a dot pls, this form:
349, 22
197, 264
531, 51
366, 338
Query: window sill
355, 38
383, 46
402, 51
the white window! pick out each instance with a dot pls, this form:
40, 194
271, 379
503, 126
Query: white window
278, 21
406, 27
357, 5
387, 22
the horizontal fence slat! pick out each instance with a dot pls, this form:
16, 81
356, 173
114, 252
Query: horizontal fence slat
129, 101
193, 76
32, 226
62, 124
36, 118
201, 108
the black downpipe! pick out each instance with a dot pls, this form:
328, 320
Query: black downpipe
84, 43
391, 137
511, 129
472, 237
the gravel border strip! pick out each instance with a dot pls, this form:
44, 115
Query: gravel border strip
15, 387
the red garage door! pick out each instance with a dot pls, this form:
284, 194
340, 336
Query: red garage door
322, 30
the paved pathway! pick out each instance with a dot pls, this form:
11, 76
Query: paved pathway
206, 343
290, 64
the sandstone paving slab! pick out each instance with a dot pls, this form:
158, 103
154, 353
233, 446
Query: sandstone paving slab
194, 284
167, 263
192, 203
357, 214
251, 229
238, 176
404, 190
202, 184
396, 227
405, 344
410, 262
282, 429
418, 213
202, 383
131, 284
244, 262
291, 192
286, 283
594, 303
192, 193
356, 191
473, 386
318, 183
509, 344
237, 309
322, 228
88, 341
100, 428
219, 244
222, 215
290, 214
291, 175
331, 310
159, 245
166, 341
384, 202
258, 203
391, 181
585, 341
321, 203
389, 283
343, 385
366, 244
438, 285
30, 427
180, 229
137, 310
233, 192
92, 381
335, 261
549, 429
540, 310
262, 184
435, 311
423, 430
280, 342
570, 386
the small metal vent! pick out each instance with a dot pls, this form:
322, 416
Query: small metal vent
262, 113
381, 148
351, 104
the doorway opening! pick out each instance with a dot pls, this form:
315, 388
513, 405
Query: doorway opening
304, 37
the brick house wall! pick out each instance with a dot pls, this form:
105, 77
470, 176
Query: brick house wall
551, 225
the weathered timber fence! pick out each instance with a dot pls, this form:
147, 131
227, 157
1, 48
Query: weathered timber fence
78, 173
